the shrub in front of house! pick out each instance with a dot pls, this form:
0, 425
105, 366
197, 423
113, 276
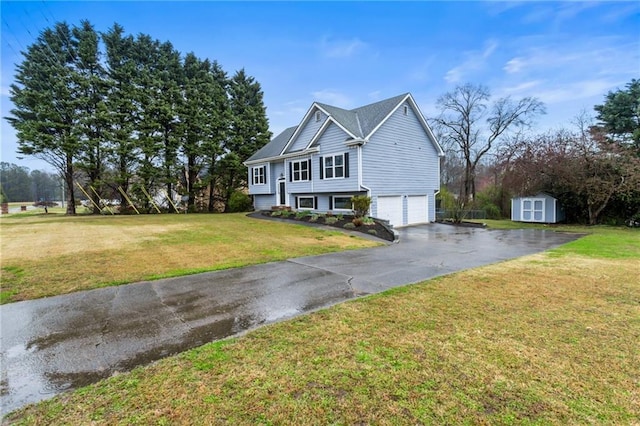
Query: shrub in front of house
330, 220
357, 221
349, 225
368, 221
240, 202
302, 213
361, 204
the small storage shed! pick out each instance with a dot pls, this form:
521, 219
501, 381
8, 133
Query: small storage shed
539, 208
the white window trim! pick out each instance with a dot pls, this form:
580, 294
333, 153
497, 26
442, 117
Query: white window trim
293, 163
333, 202
304, 197
324, 166
254, 175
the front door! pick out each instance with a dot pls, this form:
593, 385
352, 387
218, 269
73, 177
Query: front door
282, 196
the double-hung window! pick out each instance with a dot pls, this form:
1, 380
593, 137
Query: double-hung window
300, 170
260, 175
334, 166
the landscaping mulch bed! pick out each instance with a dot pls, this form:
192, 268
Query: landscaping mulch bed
379, 228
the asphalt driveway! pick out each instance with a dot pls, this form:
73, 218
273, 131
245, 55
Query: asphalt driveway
60, 343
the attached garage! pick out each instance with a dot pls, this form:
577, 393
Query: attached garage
417, 209
390, 208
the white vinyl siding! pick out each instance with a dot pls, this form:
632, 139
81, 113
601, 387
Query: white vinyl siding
332, 142
400, 159
307, 132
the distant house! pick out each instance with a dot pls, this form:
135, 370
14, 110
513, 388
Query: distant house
540, 208
384, 150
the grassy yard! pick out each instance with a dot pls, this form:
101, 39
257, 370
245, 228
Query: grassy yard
550, 338
46, 255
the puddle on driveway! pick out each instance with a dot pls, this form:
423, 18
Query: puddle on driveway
57, 344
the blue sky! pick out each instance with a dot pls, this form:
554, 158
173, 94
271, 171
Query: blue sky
348, 54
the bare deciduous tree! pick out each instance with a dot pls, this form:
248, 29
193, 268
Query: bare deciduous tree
471, 127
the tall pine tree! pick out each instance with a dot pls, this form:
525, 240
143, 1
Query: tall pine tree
249, 132
45, 110
90, 87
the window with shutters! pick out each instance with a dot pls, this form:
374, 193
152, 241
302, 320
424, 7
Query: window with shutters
300, 170
334, 166
342, 202
306, 203
260, 175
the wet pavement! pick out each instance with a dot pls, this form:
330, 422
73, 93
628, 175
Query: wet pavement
60, 343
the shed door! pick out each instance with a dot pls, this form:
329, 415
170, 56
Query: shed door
417, 209
390, 208
533, 210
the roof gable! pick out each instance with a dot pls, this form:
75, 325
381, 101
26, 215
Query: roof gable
358, 123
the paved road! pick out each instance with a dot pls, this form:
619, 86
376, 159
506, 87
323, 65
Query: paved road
60, 343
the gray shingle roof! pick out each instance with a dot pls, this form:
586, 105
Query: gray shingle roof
275, 147
371, 115
359, 121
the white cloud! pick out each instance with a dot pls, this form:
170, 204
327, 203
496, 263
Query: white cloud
522, 89
341, 48
576, 91
476, 60
514, 65
332, 97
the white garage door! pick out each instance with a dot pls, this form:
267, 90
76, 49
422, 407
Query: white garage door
390, 208
417, 209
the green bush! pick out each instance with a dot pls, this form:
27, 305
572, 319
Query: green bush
303, 213
314, 218
240, 202
276, 213
368, 221
372, 232
340, 216
349, 225
361, 204
331, 220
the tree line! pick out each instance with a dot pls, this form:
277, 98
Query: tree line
592, 166
20, 184
133, 117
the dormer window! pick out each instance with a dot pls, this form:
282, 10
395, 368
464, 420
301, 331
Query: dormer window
318, 116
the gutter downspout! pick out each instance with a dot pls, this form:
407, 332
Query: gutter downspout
360, 185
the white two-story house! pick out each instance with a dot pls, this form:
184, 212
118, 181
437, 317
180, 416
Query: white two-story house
384, 150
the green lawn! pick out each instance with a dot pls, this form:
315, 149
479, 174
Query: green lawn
46, 255
550, 338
